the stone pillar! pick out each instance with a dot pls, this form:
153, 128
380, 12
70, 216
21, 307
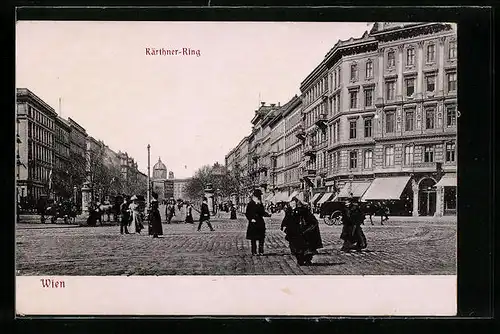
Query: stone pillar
420, 69
439, 202
414, 187
399, 65
380, 69
86, 199
440, 60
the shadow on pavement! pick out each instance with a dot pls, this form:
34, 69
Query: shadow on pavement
327, 264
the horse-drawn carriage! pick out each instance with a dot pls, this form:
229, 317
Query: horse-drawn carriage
65, 210
331, 212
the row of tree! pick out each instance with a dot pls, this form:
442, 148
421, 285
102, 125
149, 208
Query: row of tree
104, 178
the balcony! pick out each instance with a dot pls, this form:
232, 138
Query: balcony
310, 150
310, 172
300, 133
321, 121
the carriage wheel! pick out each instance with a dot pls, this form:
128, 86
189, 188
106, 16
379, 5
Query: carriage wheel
328, 220
337, 217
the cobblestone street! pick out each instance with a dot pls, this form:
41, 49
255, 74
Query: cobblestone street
400, 248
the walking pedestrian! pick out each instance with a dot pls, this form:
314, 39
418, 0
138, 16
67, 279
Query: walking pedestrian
233, 212
352, 233
125, 216
205, 215
302, 232
189, 214
155, 219
136, 214
170, 211
256, 230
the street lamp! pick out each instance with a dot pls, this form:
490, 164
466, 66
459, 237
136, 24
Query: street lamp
351, 177
149, 177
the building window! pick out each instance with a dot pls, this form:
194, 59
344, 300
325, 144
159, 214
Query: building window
389, 156
409, 120
408, 155
352, 129
410, 56
353, 159
369, 69
450, 152
368, 127
452, 82
390, 89
429, 118
368, 97
430, 81
451, 115
368, 159
452, 50
431, 53
353, 99
410, 86
391, 59
354, 72
389, 122
429, 153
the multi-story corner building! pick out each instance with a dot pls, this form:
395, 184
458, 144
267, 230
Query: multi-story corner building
236, 162
391, 117
35, 150
378, 122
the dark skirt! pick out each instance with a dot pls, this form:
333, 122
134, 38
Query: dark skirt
256, 230
156, 227
233, 215
189, 219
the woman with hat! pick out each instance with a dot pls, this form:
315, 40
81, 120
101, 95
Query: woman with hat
302, 231
256, 230
136, 214
189, 213
155, 219
352, 233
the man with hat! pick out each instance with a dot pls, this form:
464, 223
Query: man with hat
256, 230
125, 216
205, 215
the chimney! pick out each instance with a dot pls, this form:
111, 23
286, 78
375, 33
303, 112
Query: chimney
263, 104
273, 105
278, 104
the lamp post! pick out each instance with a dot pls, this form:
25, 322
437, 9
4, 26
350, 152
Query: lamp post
149, 178
351, 177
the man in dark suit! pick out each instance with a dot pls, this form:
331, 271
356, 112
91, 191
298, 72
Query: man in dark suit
205, 215
256, 229
125, 216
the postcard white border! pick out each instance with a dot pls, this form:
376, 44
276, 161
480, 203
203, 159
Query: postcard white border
239, 295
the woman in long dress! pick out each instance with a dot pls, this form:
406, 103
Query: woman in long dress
302, 232
155, 219
189, 214
136, 214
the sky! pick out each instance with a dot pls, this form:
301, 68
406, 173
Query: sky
191, 109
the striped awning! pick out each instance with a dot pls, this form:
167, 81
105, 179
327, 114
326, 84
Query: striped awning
356, 190
386, 188
316, 197
294, 194
325, 198
448, 180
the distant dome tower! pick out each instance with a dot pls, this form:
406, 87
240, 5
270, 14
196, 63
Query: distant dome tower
171, 175
159, 170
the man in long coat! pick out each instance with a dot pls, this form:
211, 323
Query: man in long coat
205, 215
256, 230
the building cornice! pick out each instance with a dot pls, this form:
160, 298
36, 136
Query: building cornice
25, 95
